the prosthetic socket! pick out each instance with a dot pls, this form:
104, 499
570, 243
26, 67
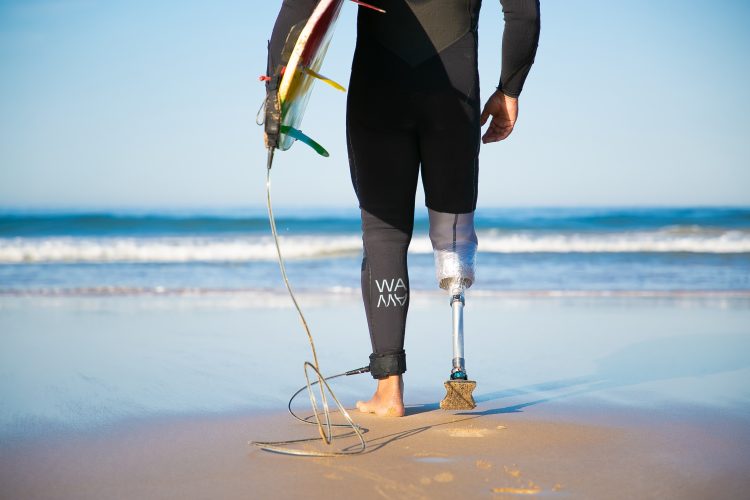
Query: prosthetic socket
454, 243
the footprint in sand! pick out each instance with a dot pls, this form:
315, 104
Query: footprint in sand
529, 489
443, 477
483, 464
467, 433
518, 491
513, 471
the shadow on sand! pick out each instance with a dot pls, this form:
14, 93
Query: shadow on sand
643, 362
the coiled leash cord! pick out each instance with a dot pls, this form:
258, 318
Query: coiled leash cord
324, 424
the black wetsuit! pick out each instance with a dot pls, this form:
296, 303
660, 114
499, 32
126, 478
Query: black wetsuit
413, 104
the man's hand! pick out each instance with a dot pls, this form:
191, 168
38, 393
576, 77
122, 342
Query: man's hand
504, 111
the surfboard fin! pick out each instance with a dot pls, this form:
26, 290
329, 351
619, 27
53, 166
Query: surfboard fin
298, 135
368, 6
325, 79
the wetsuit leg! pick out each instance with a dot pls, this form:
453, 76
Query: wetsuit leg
385, 290
384, 165
449, 133
401, 116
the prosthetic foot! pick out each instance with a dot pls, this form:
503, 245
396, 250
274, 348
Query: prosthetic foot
454, 242
458, 388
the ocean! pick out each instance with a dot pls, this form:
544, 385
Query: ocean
116, 316
536, 250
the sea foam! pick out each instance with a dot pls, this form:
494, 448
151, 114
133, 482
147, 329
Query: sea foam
261, 248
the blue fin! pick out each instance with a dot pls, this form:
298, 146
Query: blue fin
298, 135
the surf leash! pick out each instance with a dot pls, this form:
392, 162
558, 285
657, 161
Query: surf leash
273, 115
321, 409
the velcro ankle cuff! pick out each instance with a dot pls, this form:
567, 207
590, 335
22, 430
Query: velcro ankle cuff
385, 364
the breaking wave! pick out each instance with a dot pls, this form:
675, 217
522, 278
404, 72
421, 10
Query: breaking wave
248, 249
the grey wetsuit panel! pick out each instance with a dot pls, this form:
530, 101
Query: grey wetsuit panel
448, 230
454, 242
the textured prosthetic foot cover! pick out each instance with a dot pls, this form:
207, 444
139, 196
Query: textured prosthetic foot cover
459, 395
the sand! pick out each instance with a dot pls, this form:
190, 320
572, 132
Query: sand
427, 454
597, 399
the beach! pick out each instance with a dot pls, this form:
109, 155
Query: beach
149, 348
581, 395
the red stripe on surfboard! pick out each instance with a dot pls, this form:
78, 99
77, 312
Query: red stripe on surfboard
317, 34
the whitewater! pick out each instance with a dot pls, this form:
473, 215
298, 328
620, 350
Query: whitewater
519, 249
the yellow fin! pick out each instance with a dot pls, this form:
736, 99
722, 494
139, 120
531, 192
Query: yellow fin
320, 77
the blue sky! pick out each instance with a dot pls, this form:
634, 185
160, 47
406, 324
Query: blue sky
152, 104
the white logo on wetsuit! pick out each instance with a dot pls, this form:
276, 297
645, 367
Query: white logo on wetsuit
389, 292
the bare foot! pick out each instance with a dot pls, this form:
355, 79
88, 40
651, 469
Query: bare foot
388, 400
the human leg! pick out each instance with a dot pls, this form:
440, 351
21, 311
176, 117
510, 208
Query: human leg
384, 164
385, 292
450, 145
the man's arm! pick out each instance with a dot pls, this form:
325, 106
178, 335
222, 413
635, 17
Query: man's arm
292, 13
520, 40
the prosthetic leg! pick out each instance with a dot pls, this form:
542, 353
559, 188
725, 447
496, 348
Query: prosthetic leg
454, 243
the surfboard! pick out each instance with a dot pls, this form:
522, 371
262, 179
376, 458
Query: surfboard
303, 69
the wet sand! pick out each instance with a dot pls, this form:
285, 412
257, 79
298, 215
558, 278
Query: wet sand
583, 398
427, 454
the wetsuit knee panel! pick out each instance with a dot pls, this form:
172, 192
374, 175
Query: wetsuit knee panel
389, 228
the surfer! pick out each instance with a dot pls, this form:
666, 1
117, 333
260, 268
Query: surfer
413, 105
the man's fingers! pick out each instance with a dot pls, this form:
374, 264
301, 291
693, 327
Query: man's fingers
485, 114
491, 135
504, 112
487, 138
499, 126
497, 132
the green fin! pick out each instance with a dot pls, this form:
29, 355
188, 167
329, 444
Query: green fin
325, 79
297, 134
